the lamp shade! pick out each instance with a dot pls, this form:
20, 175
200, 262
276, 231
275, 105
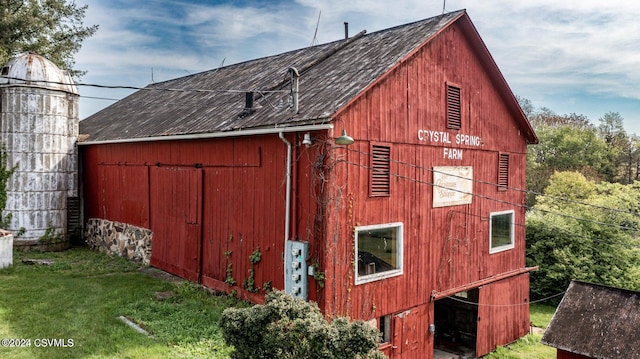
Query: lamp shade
344, 139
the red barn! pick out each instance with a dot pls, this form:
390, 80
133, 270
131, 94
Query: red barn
245, 182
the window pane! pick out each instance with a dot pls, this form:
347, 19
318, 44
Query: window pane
501, 230
377, 250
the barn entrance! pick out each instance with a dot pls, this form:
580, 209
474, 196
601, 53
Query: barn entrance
176, 211
456, 321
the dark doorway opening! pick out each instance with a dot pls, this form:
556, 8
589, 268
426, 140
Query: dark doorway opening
456, 324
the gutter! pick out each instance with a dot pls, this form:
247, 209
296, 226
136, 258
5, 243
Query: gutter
237, 133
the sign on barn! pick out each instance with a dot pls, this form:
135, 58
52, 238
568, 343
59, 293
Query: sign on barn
452, 185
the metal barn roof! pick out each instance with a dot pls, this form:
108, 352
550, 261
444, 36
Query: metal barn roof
596, 321
213, 102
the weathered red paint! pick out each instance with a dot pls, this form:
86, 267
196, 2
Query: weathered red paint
568, 355
444, 247
212, 203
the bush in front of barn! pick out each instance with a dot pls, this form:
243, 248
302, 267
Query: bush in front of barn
287, 327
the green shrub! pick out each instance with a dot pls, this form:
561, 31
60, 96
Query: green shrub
286, 327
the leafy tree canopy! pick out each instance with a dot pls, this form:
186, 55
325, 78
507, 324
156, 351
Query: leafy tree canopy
572, 143
565, 145
584, 230
51, 28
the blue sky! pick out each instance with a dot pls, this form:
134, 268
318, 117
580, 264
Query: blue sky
569, 56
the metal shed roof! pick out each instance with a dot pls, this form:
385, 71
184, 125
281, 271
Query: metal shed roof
596, 321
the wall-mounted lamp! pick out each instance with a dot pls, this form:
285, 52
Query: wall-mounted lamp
344, 139
307, 139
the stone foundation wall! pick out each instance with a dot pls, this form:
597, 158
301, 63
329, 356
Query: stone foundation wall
118, 238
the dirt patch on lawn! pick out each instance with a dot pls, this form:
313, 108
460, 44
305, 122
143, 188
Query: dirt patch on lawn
160, 274
536, 330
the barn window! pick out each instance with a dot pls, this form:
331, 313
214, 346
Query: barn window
454, 107
503, 172
501, 231
380, 171
378, 252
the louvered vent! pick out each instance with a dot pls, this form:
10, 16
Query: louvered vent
454, 114
74, 227
503, 172
380, 170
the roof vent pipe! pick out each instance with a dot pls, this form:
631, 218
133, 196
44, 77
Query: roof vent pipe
346, 30
294, 87
248, 100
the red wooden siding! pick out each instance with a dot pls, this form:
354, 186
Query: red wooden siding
444, 247
210, 203
410, 337
447, 247
568, 355
503, 313
175, 201
123, 193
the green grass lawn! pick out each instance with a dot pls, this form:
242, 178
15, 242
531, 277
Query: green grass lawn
81, 295
529, 347
80, 298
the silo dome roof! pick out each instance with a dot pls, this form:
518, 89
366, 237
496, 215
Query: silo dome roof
29, 69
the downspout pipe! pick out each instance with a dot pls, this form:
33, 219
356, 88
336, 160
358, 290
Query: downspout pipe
287, 217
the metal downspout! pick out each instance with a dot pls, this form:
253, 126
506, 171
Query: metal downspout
287, 217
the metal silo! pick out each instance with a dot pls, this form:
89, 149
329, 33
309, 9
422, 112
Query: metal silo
39, 128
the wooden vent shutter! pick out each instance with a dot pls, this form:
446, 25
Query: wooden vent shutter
503, 172
380, 170
454, 113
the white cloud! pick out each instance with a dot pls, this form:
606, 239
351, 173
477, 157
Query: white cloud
546, 49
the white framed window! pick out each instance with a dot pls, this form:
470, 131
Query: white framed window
378, 251
501, 231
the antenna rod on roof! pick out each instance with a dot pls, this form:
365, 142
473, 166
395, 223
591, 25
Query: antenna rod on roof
315, 34
346, 30
444, 5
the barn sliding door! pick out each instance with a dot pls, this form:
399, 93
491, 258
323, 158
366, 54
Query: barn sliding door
176, 217
503, 313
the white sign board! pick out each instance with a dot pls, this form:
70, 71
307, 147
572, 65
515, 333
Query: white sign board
452, 185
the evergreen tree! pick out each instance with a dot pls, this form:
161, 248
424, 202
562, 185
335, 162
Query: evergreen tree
51, 28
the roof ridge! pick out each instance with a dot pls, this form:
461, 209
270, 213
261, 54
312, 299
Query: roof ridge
323, 56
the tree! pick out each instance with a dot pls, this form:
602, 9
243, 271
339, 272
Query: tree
567, 143
51, 28
527, 106
586, 231
622, 147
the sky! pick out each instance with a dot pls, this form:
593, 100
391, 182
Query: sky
571, 56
